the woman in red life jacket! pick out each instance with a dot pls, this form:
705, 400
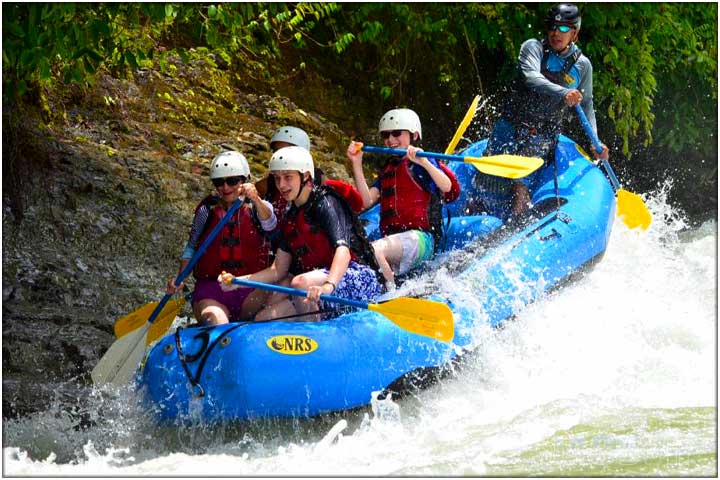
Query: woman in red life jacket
409, 190
323, 248
240, 247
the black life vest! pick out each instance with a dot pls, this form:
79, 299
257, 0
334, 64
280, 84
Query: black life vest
522, 105
311, 247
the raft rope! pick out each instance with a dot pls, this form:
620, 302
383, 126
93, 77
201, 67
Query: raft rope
205, 349
203, 352
555, 170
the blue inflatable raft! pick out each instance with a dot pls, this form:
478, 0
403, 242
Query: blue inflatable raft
285, 368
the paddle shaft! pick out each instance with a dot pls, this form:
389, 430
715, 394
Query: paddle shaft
191, 264
399, 151
298, 292
597, 144
528, 165
508, 166
422, 317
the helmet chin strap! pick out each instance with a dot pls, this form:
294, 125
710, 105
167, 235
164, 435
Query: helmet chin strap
299, 192
302, 185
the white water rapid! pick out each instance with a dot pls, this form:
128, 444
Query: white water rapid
613, 375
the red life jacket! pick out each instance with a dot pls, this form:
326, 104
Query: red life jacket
348, 192
240, 248
404, 203
310, 246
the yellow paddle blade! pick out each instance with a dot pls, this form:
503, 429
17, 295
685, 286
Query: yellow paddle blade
508, 166
423, 317
137, 319
633, 210
161, 325
133, 320
463, 126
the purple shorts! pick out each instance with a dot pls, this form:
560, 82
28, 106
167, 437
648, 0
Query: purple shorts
233, 300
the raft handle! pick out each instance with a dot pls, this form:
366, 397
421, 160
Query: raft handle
554, 234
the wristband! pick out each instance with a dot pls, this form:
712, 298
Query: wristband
330, 283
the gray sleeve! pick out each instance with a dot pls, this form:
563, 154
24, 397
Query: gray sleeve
196, 231
269, 224
586, 88
529, 61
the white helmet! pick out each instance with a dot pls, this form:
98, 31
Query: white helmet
291, 135
400, 119
229, 164
292, 158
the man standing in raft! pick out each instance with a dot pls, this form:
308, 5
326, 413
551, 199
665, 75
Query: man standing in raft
552, 77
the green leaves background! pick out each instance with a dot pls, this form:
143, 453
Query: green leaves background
655, 64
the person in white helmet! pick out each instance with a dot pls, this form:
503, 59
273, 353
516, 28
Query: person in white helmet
409, 190
323, 248
240, 247
288, 136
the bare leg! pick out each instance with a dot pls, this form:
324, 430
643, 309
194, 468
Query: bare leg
278, 304
282, 308
520, 199
388, 252
308, 279
385, 268
211, 312
254, 303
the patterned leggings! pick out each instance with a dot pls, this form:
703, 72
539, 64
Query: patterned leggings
358, 283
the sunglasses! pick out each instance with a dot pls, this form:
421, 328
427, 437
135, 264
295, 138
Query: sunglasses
231, 181
562, 28
395, 133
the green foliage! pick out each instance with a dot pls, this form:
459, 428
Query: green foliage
686, 46
43, 42
655, 64
67, 42
655, 61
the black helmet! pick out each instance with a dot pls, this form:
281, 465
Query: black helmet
565, 13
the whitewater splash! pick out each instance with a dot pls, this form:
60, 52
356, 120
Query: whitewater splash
612, 375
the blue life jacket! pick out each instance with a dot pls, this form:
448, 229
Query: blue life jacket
523, 106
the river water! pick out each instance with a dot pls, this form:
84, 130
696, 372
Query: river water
614, 375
